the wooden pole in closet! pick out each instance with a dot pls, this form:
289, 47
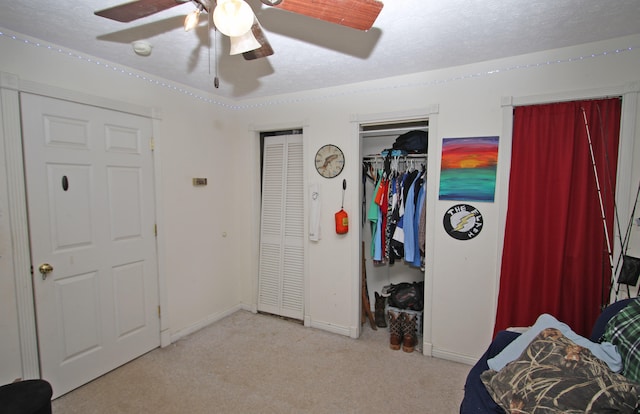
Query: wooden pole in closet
366, 305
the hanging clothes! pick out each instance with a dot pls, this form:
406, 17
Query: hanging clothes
420, 208
382, 200
397, 240
374, 218
397, 214
410, 232
394, 216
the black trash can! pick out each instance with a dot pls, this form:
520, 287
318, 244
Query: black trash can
26, 397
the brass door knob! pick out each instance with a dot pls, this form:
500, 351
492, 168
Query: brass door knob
45, 269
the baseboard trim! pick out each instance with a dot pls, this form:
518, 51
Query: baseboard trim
341, 330
452, 356
165, 338
427, 349
176, 336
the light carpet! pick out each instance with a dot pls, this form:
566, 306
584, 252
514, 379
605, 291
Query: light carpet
253, 363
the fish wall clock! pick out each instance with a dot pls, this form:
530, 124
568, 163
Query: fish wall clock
329, 161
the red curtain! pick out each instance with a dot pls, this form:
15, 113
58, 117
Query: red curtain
555, 257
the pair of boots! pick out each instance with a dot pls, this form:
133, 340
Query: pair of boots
379, 313
402, 331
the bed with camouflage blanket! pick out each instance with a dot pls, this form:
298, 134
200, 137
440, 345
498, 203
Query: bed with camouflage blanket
559, 372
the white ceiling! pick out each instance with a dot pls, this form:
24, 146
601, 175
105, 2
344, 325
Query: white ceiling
409, 36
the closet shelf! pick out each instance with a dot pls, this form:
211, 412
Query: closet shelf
383, 131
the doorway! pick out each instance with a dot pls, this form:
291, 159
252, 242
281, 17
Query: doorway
382, 235
91, 204
281, 257
565, 155
428, 113
376, 139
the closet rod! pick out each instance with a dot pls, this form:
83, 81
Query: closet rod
382, 157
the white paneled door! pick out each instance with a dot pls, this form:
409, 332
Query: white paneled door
89, 174
281, 273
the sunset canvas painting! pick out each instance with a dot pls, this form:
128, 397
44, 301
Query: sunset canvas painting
468, 169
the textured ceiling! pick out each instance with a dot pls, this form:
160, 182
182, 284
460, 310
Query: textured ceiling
409, 36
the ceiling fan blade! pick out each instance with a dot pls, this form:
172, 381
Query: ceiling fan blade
265, 48
129, 12
358, 14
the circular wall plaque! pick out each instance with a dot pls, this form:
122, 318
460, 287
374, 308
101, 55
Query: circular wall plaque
462, 222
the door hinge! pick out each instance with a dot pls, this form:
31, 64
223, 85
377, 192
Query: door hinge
152, 144
159, 313
155, 230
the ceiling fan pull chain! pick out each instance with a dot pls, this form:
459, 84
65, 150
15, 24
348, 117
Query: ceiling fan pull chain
216, 81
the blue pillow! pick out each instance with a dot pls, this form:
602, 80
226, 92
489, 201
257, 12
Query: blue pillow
605, 351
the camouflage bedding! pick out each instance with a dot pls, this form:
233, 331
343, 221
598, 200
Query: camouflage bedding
554, 375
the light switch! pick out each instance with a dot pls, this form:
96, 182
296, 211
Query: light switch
198, 181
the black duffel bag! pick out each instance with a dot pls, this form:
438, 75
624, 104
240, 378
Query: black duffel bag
407, 296
413, 142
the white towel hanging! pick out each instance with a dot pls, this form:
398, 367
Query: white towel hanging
314, 212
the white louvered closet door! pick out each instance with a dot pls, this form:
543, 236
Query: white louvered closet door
281, 274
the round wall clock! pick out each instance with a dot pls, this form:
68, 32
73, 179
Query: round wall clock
329, 161
462, 222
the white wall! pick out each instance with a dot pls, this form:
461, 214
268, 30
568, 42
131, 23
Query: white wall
193, 138
208, 275
464, 274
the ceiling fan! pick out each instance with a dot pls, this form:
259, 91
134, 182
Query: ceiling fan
247, 36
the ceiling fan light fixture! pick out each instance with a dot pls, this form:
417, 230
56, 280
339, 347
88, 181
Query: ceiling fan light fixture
191, 21
233, 17
245, 43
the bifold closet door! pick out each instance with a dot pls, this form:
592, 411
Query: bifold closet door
281, 268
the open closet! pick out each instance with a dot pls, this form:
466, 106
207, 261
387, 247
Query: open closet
394, 159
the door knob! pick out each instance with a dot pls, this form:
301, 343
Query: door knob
45, 269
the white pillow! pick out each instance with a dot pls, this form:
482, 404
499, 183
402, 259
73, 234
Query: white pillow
605, 351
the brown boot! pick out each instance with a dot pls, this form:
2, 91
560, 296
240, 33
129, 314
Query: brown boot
395, 329
379, 314
410, 338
